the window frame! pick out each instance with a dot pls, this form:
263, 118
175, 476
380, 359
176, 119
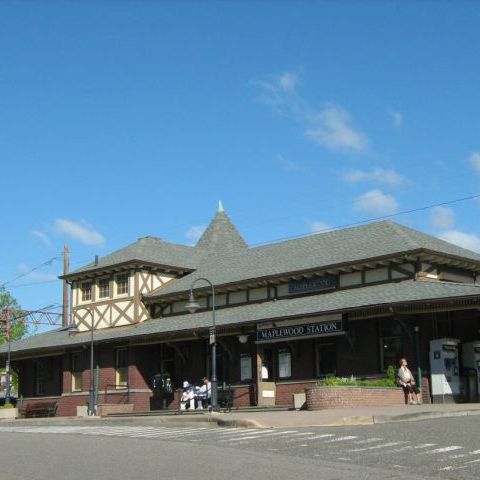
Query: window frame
287, 353
84, 291
76, 372
103, 283
118, 284
121, 371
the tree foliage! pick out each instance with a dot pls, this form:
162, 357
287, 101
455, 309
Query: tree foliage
9, 306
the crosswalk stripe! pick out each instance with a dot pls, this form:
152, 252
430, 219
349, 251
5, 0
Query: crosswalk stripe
368, 440
463, 455
443, 450
342, 439
376, 447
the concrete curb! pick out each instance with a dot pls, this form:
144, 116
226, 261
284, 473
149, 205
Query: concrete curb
411, 417
237, 423
346, 421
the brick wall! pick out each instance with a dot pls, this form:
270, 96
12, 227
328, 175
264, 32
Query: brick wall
285, 392
319, 398
67, 405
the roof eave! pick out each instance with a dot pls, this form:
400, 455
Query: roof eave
124, 266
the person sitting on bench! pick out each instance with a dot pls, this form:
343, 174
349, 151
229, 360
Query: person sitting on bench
204, 393
188, 396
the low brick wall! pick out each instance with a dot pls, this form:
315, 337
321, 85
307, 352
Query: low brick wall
285, 392
319, 398
107, 408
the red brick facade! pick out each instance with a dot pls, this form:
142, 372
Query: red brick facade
319, 398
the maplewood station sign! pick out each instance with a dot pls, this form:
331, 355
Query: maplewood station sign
296, 332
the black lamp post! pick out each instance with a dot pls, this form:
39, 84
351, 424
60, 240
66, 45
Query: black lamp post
192, 306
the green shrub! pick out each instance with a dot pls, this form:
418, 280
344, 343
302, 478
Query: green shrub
7, 405
331, 381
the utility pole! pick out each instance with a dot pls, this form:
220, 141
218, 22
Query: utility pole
66, 269
5, 320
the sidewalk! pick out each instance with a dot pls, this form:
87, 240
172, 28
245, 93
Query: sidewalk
281, 418
345, 416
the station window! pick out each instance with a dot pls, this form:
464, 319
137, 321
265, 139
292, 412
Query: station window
76, 373
245, 367
103, 288
86, 288
391, 343
44, 376
325, 358
121, 368
122, 284
284, 363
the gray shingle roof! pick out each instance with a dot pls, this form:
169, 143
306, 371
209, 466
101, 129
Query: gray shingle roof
405, 292
343, 246
150, 250
222, 236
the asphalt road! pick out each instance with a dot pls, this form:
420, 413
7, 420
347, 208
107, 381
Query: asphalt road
444, 449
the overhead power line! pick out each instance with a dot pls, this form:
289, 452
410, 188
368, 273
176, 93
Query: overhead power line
373, 219
44, 264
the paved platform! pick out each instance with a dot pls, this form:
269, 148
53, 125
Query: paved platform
344, 416
282, 418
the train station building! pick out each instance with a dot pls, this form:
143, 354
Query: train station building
347, 302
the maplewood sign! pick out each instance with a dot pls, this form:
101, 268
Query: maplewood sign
294, 332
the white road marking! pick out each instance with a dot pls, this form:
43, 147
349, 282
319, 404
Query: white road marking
325, 435
368, 440
463, 455
342, 439
451, 448
376, 447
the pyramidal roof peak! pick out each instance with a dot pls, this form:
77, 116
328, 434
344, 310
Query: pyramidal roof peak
221, 234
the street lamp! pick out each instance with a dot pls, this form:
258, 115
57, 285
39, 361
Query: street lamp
192, 306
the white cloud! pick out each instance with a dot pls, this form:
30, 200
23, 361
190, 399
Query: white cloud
317, 227
331, 127
375, 202
286, 164
378, 175
288, 81
465, 240
79, 231
42, 236
442, 218
396, 117
194, 233
475, 161
35, 275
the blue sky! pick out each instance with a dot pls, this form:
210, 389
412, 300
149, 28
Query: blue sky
120, 119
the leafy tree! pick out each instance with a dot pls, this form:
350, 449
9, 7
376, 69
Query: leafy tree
9, 306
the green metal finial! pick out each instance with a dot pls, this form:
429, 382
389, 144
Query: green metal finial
220, 207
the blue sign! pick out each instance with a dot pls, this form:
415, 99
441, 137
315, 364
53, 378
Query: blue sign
312, 284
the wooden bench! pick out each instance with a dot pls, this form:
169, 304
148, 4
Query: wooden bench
38, 409
225, 398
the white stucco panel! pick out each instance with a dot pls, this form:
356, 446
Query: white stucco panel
349, 279
376, 275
